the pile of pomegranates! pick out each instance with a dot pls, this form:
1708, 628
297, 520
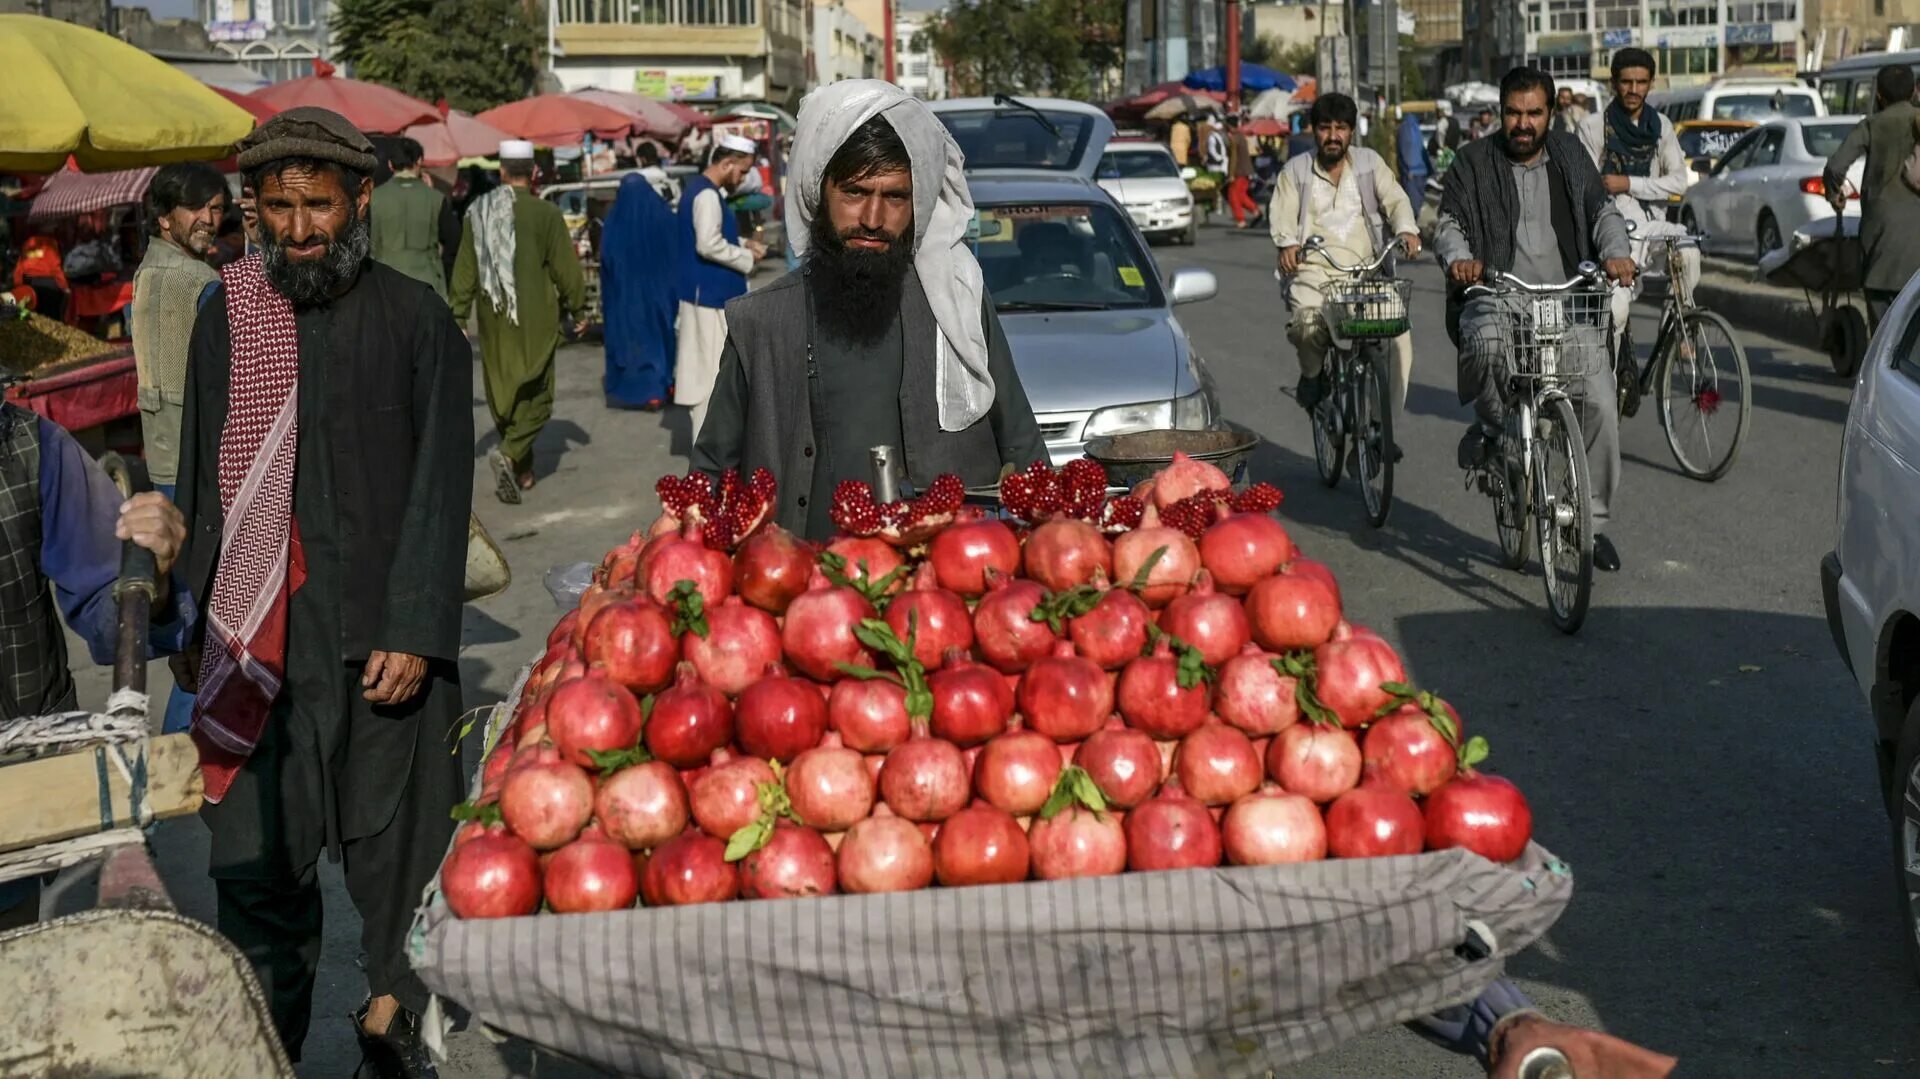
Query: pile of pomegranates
1095, 684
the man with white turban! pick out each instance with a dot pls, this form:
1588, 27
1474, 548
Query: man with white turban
885, 335
714, 264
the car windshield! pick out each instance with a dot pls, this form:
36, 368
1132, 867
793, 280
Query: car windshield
1711, 142
1015, 139
1062, 257
1760, 106
1138, 165
1823, 139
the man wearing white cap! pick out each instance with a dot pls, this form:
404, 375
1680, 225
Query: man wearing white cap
886, 335
516, 254
714, 265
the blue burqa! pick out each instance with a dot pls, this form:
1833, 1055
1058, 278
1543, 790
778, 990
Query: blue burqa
639, 267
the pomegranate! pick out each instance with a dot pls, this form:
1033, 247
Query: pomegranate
818, 635
830, 788
1374, 821
1185, 476
1004, 631
771, 568
1064, 553
1293, 610
1124, 763
1213, 623
937, 619
1243, 549
621, 563
925, 779
870, 715
689, 721
590, 874
689, 559
1165, 697
1407, 750
562, 633
981, 844
1171, 831
632, 642
642, 806
1485, 814
689, 868
1017, 771
885, 854
546, 801
1351, 677
795, 862
734, 651
1170, 573
1255, 697
595, 599
965, 552
868, 560
1114, 631
592, 714
1217, 765
1307, 567
494, 772
492, 875
1272, 827
1077, 842
1065, 696
1316, 761
726, 797
971, 703
779, 717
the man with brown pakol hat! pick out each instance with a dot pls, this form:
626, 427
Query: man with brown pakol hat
326, 465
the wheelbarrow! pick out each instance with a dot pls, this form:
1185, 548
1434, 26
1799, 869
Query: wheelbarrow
1824, 257
131, 987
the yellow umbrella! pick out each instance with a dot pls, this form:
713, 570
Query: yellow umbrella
65, 89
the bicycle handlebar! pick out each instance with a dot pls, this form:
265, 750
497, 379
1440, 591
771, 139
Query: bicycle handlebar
1316, 245
1589, 275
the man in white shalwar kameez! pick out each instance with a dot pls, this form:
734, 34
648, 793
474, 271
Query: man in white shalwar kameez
714, 264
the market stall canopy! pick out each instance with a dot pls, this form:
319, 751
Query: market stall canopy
687, 113
69, 193
1272, 105
1252, 77
759, 110
68, 91
559, 120
1264, 127
374, 109
261, 110
650, 117
1179, 105
458, 136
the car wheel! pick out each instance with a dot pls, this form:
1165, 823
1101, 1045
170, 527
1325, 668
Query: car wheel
1906, 832
1769, 235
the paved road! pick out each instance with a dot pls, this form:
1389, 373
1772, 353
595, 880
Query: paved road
1696, 753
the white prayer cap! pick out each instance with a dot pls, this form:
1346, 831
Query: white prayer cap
516, 149
738, 144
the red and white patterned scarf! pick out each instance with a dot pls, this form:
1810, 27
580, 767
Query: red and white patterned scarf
260, 558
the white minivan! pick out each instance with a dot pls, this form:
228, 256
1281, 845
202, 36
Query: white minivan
1739, 99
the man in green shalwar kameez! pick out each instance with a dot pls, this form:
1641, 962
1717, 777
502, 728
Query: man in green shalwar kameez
516, 256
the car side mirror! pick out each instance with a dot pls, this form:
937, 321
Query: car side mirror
1189, 173
1190, 284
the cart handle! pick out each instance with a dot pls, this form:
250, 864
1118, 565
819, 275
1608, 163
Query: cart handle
138, 586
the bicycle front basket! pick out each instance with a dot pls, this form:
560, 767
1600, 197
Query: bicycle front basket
1361, 308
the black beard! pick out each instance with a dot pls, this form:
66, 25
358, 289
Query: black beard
314, 282
1328, 161
856, 293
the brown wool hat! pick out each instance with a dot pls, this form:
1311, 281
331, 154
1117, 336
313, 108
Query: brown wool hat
307, 131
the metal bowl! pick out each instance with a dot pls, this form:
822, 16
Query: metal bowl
1131, 458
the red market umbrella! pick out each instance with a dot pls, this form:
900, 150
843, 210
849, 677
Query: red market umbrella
652, 117
262, 112
445, 142
691, 116
374, 109
559, 120
1264, 127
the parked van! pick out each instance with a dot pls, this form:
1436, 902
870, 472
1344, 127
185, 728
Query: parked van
1846, 86
1739, 99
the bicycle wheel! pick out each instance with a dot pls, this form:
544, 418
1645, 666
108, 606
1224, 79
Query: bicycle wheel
1329, 443
1564, 512
1373, 436
1706, 398
1510, 509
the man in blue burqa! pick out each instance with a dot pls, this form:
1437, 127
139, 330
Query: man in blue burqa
639, 267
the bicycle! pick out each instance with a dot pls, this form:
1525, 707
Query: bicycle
1690, 350
1554, 337
1363, 310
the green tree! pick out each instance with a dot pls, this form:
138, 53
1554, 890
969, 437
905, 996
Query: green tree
1299, 58
475, 53
1054, 48
1413, 74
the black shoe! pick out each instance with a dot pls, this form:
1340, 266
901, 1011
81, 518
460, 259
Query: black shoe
400, 1053
1475, 447
1398, 453
1311, 390
1605, 557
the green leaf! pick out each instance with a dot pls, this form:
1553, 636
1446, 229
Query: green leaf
610, 761
485, 814
1089, 792
1399, 689
646, 707
919, 702
689, 609
1139, 582
1443, 723
1074, 787
751, 837
879, 636
1473, 752
1056, 607
868, 674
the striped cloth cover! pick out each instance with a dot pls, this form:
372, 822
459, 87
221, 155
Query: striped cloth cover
1223, 972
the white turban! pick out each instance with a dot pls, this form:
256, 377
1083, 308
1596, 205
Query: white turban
942, 212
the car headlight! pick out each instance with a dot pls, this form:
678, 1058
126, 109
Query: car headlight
1190, 413
1174, 204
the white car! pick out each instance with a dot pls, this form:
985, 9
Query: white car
1145, 180
1768, 184
1871, 579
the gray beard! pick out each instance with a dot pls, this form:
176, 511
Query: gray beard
311, 284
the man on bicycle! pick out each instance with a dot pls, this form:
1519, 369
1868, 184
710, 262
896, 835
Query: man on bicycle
1530, 203
1642, 166
1346, 195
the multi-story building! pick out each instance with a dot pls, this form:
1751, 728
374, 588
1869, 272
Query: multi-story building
1837, 29
685, 49
916, 70
1692, 41
1439, 38
843, 46
280, 39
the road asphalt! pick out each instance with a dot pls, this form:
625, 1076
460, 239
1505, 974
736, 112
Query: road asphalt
1697, 753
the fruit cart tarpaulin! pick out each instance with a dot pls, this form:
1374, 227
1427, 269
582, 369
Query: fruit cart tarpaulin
1198, 972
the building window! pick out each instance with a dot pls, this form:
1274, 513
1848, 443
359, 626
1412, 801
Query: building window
1616, 14
1701, 60
1762, 11
1684, 13
1566, 16
668, 12
1575, 65
917, 68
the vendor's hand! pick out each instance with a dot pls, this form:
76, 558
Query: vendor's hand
1837, 198
393, 677
759, 249
1290, 260
1616, 185
1621, 270
150, 521
1410, 243
1589, 1053
1466, 271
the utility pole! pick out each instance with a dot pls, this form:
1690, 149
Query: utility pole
1233, 56
886, 16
